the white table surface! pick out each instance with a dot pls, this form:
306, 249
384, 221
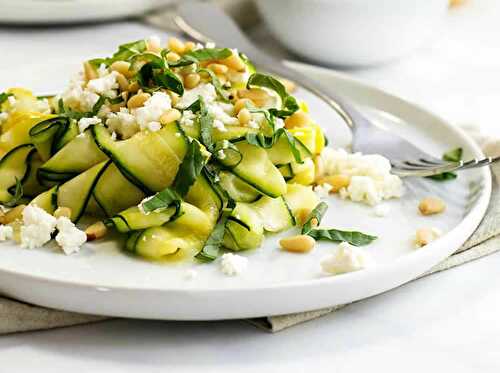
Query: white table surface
448, 321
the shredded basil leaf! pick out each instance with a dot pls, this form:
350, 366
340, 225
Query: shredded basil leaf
289, 103
266, 142
453, 155
160, 201
190, 169
195, 107
206, 125
216, 83
227, 153
18, 194
167, 79
336, 235
213, 246
124, 53
204, 54
4, 96
316, 214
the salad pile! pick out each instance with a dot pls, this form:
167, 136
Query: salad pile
186, 150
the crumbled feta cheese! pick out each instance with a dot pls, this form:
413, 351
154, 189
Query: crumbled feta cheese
346, 258
191, 274
225, 144
187, 118
222, 112
38, 227
123, 123
371, 180
69, 237
210, 45
323, 190
3, 117
140, 206
43, 106
113, 136
77, 97
219, 125
233, 264
105, 85
11, 100
152, 110
207, 91
154, 126
381, 210
221, 154
6, 232
85, 123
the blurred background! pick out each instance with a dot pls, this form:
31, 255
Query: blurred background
442, 54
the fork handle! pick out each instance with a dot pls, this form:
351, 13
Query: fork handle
200, 19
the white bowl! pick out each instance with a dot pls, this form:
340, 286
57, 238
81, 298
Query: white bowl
353, 32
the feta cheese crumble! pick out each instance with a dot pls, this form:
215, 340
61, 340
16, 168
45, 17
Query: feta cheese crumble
371, 180
346, 258
6, 232
85, 123
38, 227
206, 91
233, 264
123, 123
381, 210
322, 190
69, 237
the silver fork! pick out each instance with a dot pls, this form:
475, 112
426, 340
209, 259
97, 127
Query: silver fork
205, 22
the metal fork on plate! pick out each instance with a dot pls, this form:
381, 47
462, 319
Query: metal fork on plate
205, 22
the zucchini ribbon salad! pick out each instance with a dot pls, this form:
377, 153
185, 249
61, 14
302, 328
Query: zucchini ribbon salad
186, 150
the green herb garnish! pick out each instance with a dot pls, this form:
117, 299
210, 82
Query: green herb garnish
161, 201
315, 216
212, 248
288, 102
18, 194
190, 169
453, 155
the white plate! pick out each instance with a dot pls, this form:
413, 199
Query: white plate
102, 280
69, 12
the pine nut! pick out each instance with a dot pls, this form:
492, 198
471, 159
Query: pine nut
218, 68
234, 62
171, 115
241, 104
134, 87
14, 214
122, 82
177, 46
297, 244
153, 45
189, 46
319, 167
336, 181
62, 211
174, 97
289, 85
96, 231
173, 57
259, 97
244, 116
122, 67
431, 205
425, 236
89, 71
297, 119
191, 80
138, 100
2, 217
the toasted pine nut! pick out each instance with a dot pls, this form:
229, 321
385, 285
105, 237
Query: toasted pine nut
138, 100
234, 62
189, 46
177, 46
431, 205
14, 214
116, 107
134, 87
218, 68
174, 97
297, 119
297, 244
259, 97
89, 71
424, 236
191, 80
171, 115
289, 85
2, 217
336, 181
241, 104
96, 231
122, 67
173, 57
122, 82
62, 211
319, 167
244, 116
153, 45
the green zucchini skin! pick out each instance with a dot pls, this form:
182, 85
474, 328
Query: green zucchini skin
77, 192
47, 200
244, 228
280, 153
149, 160
132, 219
258, 171
238, 189
14, 164
50, 135
64, 165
